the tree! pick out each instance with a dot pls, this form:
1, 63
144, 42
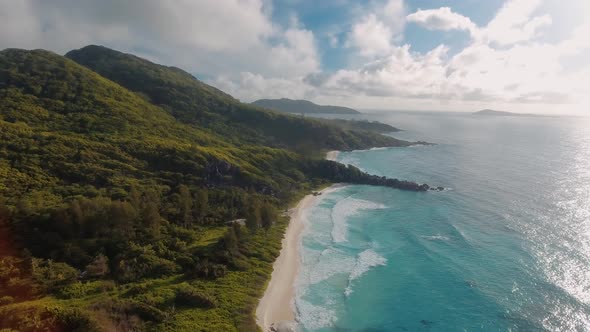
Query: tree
122, 217
253, 216
268, 215
134, 197
4, 211
99, 267
52, 275
75, 211
230, 240
185, 204
201, 204
151, 220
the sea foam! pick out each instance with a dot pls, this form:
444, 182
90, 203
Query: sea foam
343, 210
365, 261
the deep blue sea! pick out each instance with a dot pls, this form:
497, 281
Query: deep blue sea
506, 248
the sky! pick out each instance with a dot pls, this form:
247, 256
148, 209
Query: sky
453, 55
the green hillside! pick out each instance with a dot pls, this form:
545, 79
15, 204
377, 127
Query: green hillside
117, 185
191, 101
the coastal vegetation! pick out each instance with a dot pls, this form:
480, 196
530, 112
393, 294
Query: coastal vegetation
122, 188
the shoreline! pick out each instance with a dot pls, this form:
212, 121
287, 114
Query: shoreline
332, 155
276, 307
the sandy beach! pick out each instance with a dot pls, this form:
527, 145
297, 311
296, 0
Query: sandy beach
332, 155
277, 305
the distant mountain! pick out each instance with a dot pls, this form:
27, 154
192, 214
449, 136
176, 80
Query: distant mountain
302, 106
371, 126
488, 112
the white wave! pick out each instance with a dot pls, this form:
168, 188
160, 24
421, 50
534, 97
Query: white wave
322, 266
343, 210
364, 262
437, 237
314, 317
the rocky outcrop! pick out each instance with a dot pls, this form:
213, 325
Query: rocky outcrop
338, 172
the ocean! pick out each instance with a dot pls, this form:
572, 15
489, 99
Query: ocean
505, 248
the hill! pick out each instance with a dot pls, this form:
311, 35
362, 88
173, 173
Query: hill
302, 107
193, 102
372, 126
488, 112
118, 185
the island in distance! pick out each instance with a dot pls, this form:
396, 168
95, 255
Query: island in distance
489, 112
302, 107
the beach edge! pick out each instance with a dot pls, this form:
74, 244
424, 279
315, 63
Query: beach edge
277, 305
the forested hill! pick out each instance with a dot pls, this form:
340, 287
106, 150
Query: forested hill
192, 101
302, 107
119, 183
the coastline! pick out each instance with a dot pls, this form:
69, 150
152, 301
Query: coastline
332, 155
276, 308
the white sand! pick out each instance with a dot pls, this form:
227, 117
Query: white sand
277, 304
332, 155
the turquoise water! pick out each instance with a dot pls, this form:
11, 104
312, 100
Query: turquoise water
507, 248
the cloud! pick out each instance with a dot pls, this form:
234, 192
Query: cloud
209, 37
515, 23
239, 48
401, 74
512, 24
249, 87
442, 19
371, 36
506, 62
374, 33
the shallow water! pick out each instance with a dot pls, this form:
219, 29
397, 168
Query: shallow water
506, 249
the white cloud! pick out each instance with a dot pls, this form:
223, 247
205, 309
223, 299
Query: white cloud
442, 19
506, 63
400, 74
512, 24
249, 87
371, 36
237, 45
374, 33
210, 37
515, 23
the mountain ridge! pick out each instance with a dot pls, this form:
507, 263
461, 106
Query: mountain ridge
301, 106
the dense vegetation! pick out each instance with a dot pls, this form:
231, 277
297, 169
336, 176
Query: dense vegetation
194, 102
302, 107
120, 184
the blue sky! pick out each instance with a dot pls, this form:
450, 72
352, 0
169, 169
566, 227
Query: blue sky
338, 16
462, 55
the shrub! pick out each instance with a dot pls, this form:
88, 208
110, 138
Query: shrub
99, 267
81, 289
147, 312
53, 275
138, 289
189, 296
75, 320
4, 300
